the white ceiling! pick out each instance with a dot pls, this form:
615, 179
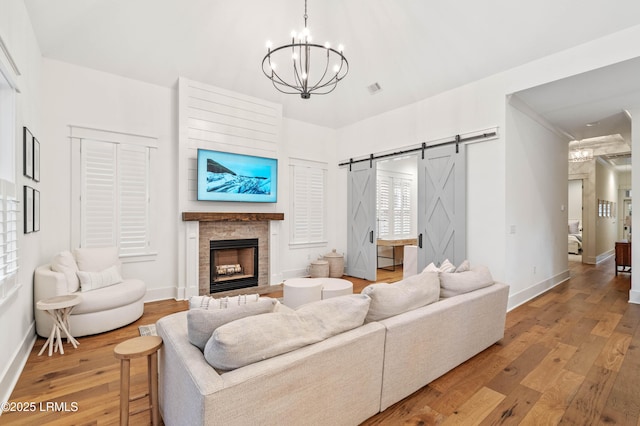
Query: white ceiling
412, 48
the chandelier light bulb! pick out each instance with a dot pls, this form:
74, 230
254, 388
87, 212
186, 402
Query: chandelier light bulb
306, 32
340, 48
294, 34
273, 66
294, 56
269, 44
327, 45
304, 75
336, 68
309, 39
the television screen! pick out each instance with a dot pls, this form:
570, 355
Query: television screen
223, 176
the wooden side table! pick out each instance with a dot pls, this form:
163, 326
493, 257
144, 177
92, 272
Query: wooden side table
59, 308
134, 348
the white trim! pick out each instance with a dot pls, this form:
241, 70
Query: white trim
634, 296
535, 290
12, 371
7, 55
112, 136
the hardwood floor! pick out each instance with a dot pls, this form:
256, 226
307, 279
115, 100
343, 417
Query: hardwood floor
570, 356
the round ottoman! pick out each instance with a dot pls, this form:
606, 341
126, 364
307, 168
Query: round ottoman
333, 287
298, 291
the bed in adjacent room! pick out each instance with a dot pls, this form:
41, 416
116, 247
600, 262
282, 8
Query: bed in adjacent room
575, 236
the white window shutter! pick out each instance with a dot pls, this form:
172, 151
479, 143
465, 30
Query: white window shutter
8, 238
133, 190
383, 200
99, 194
309, 204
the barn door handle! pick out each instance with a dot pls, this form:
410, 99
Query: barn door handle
371, 237
420, 240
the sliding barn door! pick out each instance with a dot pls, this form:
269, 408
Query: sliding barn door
441, 205
361, 245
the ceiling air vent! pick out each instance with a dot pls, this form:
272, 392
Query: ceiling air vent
374, 88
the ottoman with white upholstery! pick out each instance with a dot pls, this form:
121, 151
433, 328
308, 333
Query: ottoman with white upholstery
298, 291
333, 287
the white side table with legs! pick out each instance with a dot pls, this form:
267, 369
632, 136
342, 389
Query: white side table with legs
59, 308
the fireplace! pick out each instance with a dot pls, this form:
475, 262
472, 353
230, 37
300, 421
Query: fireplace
233, 264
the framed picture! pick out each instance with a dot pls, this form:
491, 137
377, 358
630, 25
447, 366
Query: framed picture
28, 209
28, 153
36, 210
36, 160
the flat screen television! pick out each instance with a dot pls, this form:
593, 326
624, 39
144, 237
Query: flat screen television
224, 176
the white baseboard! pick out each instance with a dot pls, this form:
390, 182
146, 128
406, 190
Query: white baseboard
12, 371
535, 290
634, 296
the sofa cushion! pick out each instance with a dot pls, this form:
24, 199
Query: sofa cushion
201, 323
96, 259
65, 263
117, 295
465, 282
259, 337
411, 293
464, 266
95, 280
447, 266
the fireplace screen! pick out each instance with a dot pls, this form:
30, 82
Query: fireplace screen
233, 264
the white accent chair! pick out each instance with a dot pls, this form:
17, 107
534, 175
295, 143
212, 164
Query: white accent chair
105, 307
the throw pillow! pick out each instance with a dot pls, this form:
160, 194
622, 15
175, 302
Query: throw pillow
574, 226
411, 293
201, 323
96, 259
447, 266
208, 302
259, 337
464, 266
431, 268
465, 282
94, 280
66, 264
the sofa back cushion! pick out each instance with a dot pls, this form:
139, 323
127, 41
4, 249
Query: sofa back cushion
201, 323
96, 259
411, 293
65, 263
453, 284
259, 337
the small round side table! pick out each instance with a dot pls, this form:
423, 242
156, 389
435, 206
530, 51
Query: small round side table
59, 308
134, 348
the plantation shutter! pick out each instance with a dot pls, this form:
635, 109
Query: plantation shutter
133, 191
99, 194
8, 238
383, 200
309, 205
114, 208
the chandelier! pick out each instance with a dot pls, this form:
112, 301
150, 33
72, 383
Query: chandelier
580, 155
298, 56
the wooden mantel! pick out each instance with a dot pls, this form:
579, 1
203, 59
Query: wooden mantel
230, 217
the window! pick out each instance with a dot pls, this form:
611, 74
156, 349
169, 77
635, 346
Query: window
8, 238
393, 204
308, 181
114, 187
8, 201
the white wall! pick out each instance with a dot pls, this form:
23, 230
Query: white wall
536, 208
78, 96
17, 333
606, 227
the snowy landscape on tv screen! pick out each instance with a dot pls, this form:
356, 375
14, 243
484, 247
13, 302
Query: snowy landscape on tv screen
224, 176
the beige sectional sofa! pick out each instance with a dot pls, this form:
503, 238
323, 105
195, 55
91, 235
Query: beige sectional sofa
342, 380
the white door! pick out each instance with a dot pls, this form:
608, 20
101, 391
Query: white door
361, 245
441, 205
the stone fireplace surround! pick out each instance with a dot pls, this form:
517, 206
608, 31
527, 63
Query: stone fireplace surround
232, 226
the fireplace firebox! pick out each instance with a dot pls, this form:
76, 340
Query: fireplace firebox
233, 264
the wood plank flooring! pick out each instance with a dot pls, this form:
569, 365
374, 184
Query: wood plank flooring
571, 356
